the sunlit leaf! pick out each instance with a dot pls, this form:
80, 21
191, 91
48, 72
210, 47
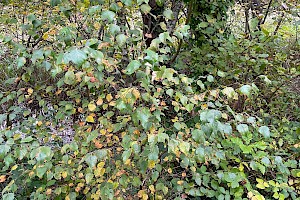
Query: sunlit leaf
132, 67
145, 8
108, 15
265, 131
76, 56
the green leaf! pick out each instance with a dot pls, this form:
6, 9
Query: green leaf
143, 116
93, 135
210, 115
89, 177
198, 135
127, 2
2, 118
42, 153
69, 78
126, 154
136, 181
162, 137
54, 2
121, 39
168, 14
177, 125
132, 67
37, 55
229, 92
94, 9
203, 25
246, 90
221, 73
8, 196
139, 2
265, 131
242, 128
145, 8
41, 170
21, 62
91, 160
170, 92
27, 139
210, 78
189, 107
108, 15
184, 147
76, 56
101, 154
266, 161
114, 29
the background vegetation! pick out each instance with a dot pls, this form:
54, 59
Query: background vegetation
149, 99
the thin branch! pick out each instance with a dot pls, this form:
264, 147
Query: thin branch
267, 12
279, 23
190, 9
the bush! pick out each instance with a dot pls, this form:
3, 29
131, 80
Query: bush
137, 129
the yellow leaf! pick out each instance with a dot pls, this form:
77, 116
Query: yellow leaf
241, 167
30, 91
151, 188
90, 119
45, 36
100, 164
64, 174
204, 106
109, 97
39, 123
193, 169
97, 25
224, 116
99, 172
49, 191
2, 178
109, 130
170, 170
151, 164
31, 174
127, 162
180, 182
105, 106
120, 4
266, 184
136, 93
250, 194
142, 194
92, 107
99, 101
14, 167
112, 103
144, 197
67, 198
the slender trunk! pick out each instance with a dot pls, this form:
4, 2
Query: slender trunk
279, 24
152, 22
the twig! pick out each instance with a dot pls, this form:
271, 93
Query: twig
267, 12
190, 9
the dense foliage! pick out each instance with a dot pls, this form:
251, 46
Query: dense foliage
144, 99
